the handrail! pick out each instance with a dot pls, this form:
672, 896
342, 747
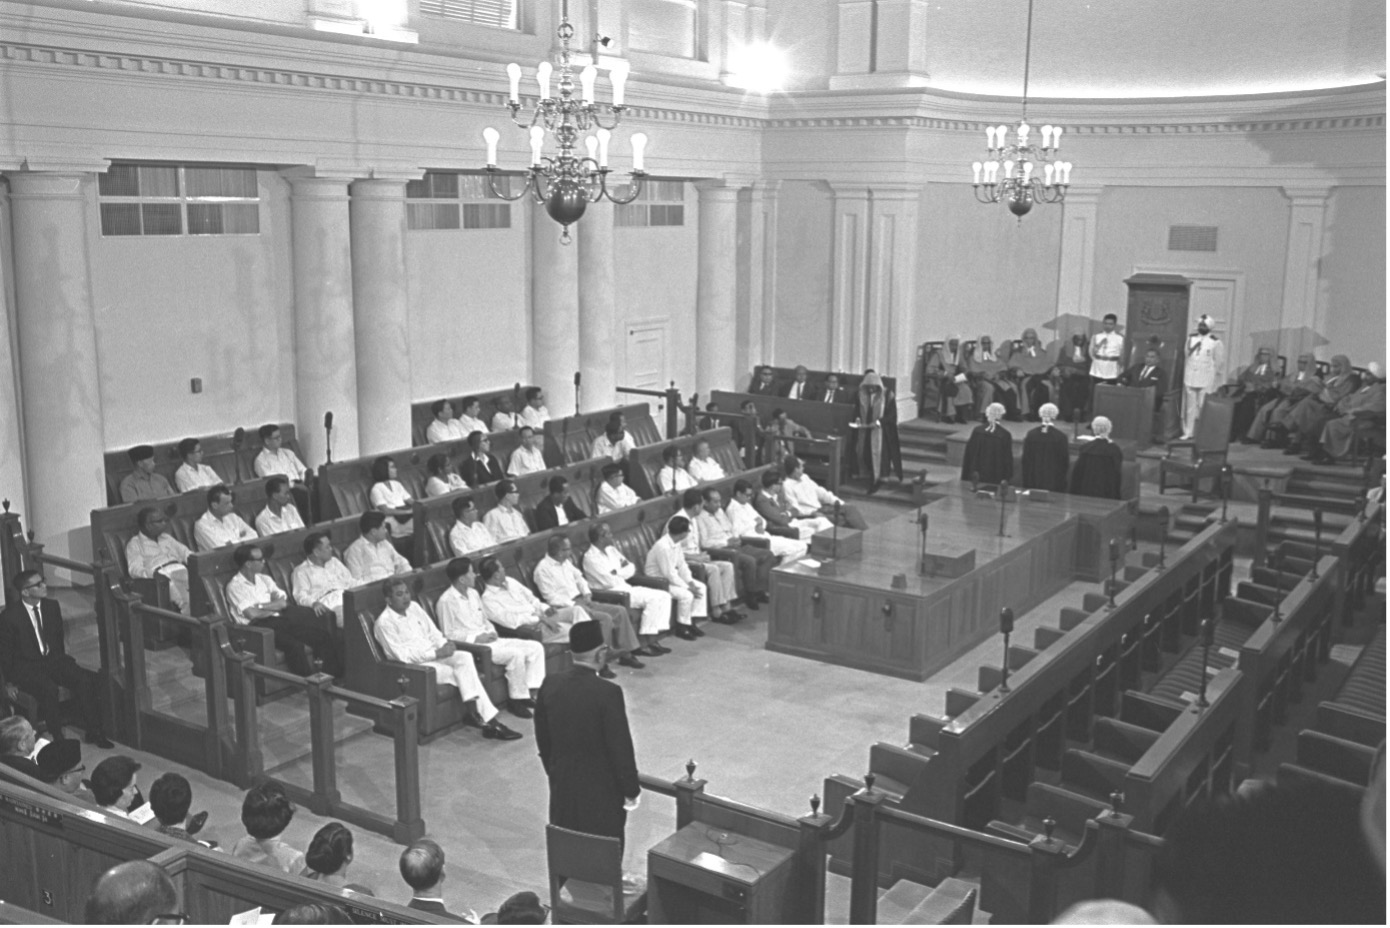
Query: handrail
832, 443
672, 397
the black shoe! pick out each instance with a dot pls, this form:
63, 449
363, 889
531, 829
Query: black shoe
658, 649
647, 650
685, 633
496, 731
196, 822
97, 739
519, 708
627, 660
696, 631
607, 673
727, 618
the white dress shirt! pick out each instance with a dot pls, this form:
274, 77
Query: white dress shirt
674, 479
1106, 349
465, 539
1205, 365
211, 532
369, 562
798, 390
461, 615
535, 417
560, 583
525, 461
143, 557
806, 497
706, 470
716, 529
392, 494
281, 461
666, 561
506, 524
610, 497
289, 519
511, 605
410, 638
445, 431
506, 421
469, 425
243, 594
192, 478
603, 447
608, 568
746, 521
436, 487
313, 584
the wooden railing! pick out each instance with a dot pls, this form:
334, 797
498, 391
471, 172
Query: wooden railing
671, 397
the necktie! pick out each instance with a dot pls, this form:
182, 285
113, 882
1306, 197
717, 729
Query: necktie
38, 630
1145, 374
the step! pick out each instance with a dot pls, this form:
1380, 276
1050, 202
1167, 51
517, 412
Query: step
898, 901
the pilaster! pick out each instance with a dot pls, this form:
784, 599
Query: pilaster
380, 314
1300, 316
554, 310
717, 288
1076, 270
849, 275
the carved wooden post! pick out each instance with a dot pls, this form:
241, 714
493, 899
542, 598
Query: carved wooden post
673, 408
405, 711
863, 893
1110, 850
247, 725
325, 759
836, 457
1047, 853
809, 904
1265, 498
686, 791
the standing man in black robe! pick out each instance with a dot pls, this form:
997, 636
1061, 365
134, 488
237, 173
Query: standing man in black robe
1097, 468
990, 450
1046, 454
585, 743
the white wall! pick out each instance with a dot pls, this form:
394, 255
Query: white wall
1353, 272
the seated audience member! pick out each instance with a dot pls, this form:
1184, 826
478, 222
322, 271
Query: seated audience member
606, 568
389, 496
781, 427
989, 454
527, 458
461, 619
949, 367
1303, 381
797, 388
762, 383
480, 466
60, 765
666, 561
614, 493
17, 740
1284, 854
510, 604
707, 421
772, 507
703, 467
748, 428
154, 551
114, 787
422, 868
614, 444
193, 474
1046, 454
255, 599
313, 913
747, 523
753, 563
1031, 365
220, 525
328, 857
372, 556
275, 458
534, 413
991, 377
561, 585
1257, 385
522, 908
34, 658
673, 477
143, 482
830, 392
171, 797
472, 419
1096, 471
265, 813
442, 477
320, 580
1303, 425
1150, 373
557, 509
406, 634
718, 576
1074, 376
1356, 410
136, 892
506, 417
279, 514
468, 534
505, 520
444, 427
806, 498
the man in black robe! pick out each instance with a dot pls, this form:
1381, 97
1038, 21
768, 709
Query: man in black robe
1097, 468
990, 450
1046, 454
585, 743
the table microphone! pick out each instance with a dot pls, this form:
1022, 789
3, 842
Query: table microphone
577, 378
328, 436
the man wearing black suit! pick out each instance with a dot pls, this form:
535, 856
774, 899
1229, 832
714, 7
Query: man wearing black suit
585, 743
17, 740
798, 388
763, 384
549, 510
35, 659
422, 868
831, 392
1150, 374
480, 466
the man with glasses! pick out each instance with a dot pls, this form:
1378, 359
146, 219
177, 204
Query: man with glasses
17, 740
34, 658
255, 599
60, 765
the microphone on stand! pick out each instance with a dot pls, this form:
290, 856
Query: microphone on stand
328, 436
1003, 504
238, 439
577, 378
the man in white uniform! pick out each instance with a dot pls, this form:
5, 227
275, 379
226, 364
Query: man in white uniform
506, 418
471, 420
717, 575
153, 550
666, 561
505, 521
673, 477
406, 634
753, 562
606, 568
468, 534
806, 498
1107, 352
614, 493
444, 427
220, 525
561, 584
279, 515
1203, 371
510, 604
535, 414
321, 578
255, 599
747, 523
703, 467
528, 457
460, 611
373, 557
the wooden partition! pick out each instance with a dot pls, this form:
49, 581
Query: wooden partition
848, 382
233, 459
824, 461
647, 460
421, 417
571, 438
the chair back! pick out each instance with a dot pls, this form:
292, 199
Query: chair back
575, 857
1212, 437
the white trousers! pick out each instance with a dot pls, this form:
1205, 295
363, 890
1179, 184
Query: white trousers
1193, 397
788, 549
719, 577
177, 575
524, 663
690, 603
655, 607
809, 526
459, 671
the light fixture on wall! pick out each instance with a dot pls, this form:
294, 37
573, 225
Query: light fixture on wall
1021, 172
567, 183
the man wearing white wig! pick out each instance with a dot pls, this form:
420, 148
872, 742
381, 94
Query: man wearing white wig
1098, 463
1203, 370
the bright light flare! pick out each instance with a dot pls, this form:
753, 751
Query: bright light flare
759, 67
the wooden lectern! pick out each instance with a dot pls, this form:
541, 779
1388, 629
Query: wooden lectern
1129, 409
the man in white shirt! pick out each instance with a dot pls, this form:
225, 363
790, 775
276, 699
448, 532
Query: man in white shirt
193, 474
471, 421
509, 603
279, 515
747, 523
528, 457
560, 584
718, 576
153, 550
703, 467
460, 612
753, 562
806, 498
606, 568
505, 520
255, 599
535, 414
220, 525
506, 418
468, 534
666, 561
372, 556
614, 443
444, 427
1203, 371
275, 458
321, 578
1107, 352
673, 477
772, 507
406, 634
614, 493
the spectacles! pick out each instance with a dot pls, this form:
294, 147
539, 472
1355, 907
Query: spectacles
258, 557
81, 768
35, 585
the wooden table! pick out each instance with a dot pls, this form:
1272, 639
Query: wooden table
876, 611
704, 875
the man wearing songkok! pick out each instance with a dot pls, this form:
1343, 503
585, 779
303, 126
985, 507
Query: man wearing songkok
155, 551
753, 562
1359, 410
143, 482
747, 523
990, 374
1107, 352
528, 457
673, 476
1269, 418
1046, 454
321, 578
255, 599
1097, 468
666, 561
279, 515
806, 498
606, 568
1031, 365
220, 525
718, 576
406, 634
535, 414
468, 534
614, 493
1203, 371
557, 509
505, 520
561, 585
444, 427
193, 474
703, 466
989, 454
372, 556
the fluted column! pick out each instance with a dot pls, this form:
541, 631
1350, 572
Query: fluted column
1300, 318
849, 272
757, 274
716, 292
598, 294
11, 445
380, 314
554, 312
1076, 267
325, 370
891, 343
59, 375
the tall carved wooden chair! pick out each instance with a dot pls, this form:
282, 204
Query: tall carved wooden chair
1207, 449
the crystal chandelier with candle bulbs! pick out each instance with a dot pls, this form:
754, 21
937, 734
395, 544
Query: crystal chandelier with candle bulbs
1020, 172
566, 182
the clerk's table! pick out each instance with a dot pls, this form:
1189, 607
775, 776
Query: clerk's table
704, 875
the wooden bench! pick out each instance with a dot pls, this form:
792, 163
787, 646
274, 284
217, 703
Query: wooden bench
231, 457
647, 460
571, 439
421, 414
782, 376
823, 420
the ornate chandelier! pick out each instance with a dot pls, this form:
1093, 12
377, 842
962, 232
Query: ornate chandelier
566, 183
1029, 173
